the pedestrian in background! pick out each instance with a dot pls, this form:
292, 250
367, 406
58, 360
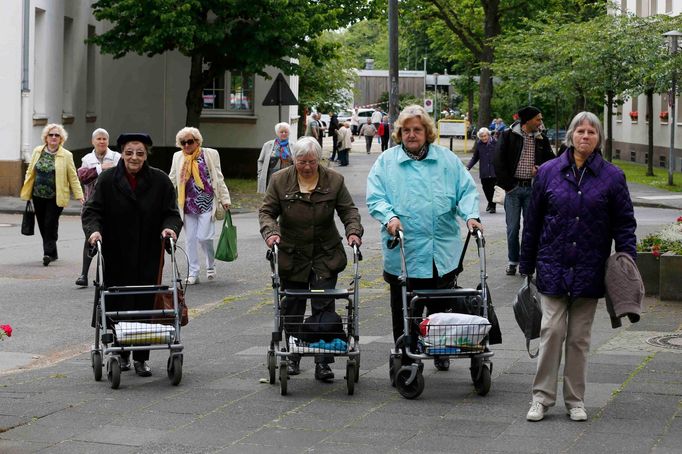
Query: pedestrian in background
420, 188
275, 155
331, 131
92, 165
200, 185
520, 150
484, 151
345, 143
368, 131
298, 214
355, 122
384, 132
580, 206
134, 205
51, 177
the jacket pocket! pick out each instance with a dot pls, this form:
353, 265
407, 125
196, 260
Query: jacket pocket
334, 256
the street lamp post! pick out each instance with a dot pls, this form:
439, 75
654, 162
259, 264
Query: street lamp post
424, 104
672, 37
435, 96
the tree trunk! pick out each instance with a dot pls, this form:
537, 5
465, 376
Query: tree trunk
194, 102
485, 96
302, 119
609, 125
556, 124
650, 130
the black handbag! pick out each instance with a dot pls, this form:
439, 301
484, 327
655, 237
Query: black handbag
28, 223
528, 312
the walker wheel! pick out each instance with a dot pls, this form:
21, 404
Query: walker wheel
174, 369
272, 366
482, 385
114, 373
96, 361
414, 389
351, 372
283, 377
357, 368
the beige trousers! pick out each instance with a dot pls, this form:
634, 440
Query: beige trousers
564, 319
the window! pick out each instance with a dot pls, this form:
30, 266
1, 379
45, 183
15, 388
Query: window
633, 156
668, 6
67, 72
624, 6
664, 107
616, 155
638, 7
230, 92
40, 66
653, 10
662, 161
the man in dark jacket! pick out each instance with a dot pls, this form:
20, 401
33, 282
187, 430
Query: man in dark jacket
333, 127
133, 206
521, 149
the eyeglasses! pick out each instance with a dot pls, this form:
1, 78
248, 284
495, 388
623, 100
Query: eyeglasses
54, 134
306, 163
187, 142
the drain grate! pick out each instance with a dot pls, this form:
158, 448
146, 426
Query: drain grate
673, 341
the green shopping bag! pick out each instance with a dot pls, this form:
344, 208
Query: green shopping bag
227, 244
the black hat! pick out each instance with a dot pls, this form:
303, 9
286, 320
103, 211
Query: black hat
133, 137
528, 113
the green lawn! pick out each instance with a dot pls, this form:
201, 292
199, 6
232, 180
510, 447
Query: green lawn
243, 193
636, 173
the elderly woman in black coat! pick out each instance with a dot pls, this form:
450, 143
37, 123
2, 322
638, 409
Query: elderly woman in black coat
484, 150
133, 206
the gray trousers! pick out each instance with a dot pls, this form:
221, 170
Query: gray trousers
564, 321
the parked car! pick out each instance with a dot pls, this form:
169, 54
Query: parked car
551, 134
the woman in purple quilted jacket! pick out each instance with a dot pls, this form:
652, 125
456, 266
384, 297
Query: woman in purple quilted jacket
579, 206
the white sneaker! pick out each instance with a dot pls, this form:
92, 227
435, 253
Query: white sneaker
210, 273
191, 280
577, 414
536, 412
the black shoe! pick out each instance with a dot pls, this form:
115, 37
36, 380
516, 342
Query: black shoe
82, 281
125, 363
492, 210
488, 207
294, 367
323, 372
46, 260
142, 368
441, 363
511, 270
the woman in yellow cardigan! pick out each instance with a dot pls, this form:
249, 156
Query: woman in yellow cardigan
50, 177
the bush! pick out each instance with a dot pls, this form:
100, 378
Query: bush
669, 239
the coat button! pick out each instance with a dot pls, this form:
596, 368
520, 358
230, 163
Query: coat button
580, 192
574, 243
577, 218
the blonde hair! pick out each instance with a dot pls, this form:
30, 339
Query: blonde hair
63, 135
418, 112
194, 132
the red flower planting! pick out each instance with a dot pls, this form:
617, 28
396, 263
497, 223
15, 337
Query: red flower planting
7, 330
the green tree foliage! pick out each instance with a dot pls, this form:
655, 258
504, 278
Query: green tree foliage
223, 35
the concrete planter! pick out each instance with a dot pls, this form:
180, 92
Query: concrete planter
670, 282
650, 269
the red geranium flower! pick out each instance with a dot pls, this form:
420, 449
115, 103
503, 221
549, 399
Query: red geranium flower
679, 219
7, 329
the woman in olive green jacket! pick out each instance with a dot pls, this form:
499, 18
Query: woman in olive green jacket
298, 214
50, 178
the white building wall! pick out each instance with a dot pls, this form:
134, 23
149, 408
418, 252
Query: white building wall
627, 131
10, 80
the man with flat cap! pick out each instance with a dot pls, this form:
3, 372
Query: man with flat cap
133, 206
520, 150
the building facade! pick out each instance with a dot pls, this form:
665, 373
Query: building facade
630, 136
51, 75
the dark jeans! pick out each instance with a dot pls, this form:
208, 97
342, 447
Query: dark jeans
47, 216
335, 145
433, 306
384, 142
516, 203
294, 308
368, 143
343, 156
489, 189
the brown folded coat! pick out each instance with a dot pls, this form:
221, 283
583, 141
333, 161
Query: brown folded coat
624, 289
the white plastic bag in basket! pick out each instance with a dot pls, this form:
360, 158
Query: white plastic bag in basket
447, 329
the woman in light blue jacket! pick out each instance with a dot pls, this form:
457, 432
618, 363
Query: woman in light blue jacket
420, 188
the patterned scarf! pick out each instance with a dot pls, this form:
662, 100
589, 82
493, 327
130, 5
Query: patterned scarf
282, 149
190, 168
419, 155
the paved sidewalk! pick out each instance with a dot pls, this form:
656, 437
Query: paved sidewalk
633, 396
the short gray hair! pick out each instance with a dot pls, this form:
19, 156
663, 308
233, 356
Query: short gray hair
281, 125
100, 132
482, 131
307, 145
579, 119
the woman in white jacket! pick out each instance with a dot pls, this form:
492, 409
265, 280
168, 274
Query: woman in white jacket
201, 191
275, 155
